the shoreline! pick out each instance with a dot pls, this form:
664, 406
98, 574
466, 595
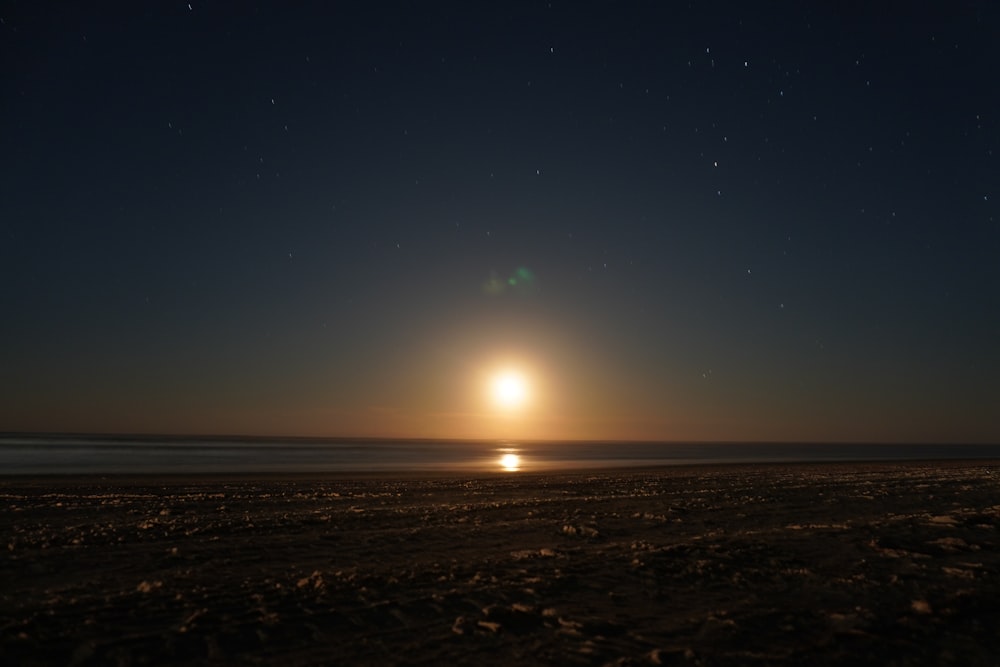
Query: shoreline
470, 472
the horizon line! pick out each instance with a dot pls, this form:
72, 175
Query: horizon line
368, 438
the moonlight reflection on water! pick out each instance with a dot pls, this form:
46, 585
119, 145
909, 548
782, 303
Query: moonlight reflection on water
510, 462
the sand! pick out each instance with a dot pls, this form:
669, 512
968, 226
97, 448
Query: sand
827, 564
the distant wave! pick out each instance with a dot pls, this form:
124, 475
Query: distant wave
22, 455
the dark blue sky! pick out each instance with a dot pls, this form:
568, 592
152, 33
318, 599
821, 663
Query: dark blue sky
736, 223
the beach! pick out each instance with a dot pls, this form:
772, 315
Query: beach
894, 563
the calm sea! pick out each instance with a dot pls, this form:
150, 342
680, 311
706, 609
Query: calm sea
22, 455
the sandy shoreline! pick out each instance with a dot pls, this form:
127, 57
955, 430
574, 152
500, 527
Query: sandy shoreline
873, 563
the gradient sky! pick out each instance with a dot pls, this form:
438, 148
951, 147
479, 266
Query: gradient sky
703, 222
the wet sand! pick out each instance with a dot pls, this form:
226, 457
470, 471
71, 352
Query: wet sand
826, 564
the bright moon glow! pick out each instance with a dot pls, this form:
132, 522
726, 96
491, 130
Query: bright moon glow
510, 390
510, 462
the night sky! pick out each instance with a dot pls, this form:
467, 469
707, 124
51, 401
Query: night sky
679, 221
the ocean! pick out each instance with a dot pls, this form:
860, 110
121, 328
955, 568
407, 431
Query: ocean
34, 455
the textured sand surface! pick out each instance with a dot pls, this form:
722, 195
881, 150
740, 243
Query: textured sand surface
834, 564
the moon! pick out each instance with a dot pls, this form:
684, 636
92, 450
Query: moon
509, 389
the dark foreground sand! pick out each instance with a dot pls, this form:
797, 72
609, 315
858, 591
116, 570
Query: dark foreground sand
887, 564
